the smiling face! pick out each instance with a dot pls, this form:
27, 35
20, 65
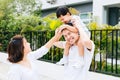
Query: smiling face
65, 18
70, 37
63, 14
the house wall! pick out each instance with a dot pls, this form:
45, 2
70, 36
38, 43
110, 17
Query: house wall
46, 5
86, 7
100, 9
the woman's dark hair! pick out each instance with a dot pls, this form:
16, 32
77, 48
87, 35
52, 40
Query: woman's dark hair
15, 49
63, 10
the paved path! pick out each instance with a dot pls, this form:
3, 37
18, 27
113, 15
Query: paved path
50, 71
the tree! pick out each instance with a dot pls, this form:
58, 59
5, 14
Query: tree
6, 9
10, 10
27, 7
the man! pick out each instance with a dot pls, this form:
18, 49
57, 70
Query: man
73, 71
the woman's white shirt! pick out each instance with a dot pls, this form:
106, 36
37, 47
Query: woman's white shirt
19, 72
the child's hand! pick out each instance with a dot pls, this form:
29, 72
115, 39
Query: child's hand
62, 27
59, 30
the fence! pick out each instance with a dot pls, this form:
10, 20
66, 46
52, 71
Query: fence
107, 48
107, 52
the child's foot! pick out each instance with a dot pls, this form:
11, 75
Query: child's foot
62, 61
79, 63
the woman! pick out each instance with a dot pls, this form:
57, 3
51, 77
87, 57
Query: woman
22, 59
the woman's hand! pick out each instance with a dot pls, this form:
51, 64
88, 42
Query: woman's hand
60, 29
58, 33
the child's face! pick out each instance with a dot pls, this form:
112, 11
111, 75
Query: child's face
26, 44
70, 37
65, 18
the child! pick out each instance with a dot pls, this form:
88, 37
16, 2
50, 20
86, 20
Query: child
75, 25
65, 16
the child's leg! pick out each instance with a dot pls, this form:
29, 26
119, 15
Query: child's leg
80, 48
64, 60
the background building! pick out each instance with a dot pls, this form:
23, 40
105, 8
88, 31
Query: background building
103, 11
107, 11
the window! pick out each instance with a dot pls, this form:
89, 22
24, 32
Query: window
86, 17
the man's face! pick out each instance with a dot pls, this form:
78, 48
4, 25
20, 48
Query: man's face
70, 37
65, 18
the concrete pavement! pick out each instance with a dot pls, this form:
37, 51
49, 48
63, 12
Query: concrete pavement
49, 71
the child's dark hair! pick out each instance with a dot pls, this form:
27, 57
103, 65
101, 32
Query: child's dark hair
63, 10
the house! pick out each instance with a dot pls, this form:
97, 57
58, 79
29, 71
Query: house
103, 11
107, 11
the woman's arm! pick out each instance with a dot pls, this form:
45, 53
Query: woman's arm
53, 40
44, 49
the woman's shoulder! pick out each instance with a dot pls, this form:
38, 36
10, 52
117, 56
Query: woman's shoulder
14, 68
14, 73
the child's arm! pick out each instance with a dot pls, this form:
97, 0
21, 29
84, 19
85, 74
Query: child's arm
71, 28
77, 22
83, 36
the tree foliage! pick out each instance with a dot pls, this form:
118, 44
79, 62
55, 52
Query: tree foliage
27, 7
17, 14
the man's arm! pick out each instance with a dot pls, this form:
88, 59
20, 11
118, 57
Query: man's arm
60, 44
